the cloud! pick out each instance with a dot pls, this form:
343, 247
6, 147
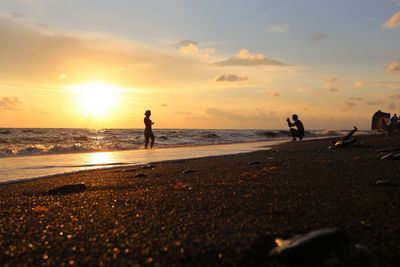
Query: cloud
191, 48
392, 106
395, 96
9, 103
230, 78
393, 22
183, 113
330, 83
393, 66
350, 105
273, 93
164, 105
377, 84
245, 118
318, 37
356, 98
39, 54
374, 102
278, 28
245, 58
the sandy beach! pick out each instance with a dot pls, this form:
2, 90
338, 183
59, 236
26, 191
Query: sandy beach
215, 211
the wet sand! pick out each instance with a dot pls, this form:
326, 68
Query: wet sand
225, 212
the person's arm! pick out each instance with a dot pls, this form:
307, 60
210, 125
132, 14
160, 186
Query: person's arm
290, 123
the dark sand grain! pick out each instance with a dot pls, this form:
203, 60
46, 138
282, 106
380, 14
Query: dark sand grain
227, 212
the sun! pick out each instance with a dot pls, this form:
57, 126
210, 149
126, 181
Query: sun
97, 99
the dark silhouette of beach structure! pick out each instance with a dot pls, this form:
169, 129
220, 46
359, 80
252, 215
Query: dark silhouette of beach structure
148, 131
377, 120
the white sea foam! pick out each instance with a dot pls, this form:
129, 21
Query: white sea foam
27, 142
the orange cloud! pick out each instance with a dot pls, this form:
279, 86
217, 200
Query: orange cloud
393, 22
245, 58
230, 78
393, 67
9, 103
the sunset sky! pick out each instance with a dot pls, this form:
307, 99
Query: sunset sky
198, 64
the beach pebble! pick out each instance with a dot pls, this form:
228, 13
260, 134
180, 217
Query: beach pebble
130, 170
188, 171
140, 175
324, 248
67, 189
148, 166
254, 162
386, 183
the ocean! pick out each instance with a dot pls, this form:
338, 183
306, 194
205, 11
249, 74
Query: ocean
40, 152
17, 142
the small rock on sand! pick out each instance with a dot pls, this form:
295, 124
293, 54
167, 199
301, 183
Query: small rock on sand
254, 162
386, 183
140, 175
188, 171
148, 166
67, 189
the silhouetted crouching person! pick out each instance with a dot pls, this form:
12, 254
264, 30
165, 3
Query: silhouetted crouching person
148, 131
299, 132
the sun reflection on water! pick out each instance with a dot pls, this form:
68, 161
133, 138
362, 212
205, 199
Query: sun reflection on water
100, 158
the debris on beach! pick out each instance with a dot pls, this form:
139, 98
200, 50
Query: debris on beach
188, 171
324, 248
386, 183
148, 166
254, 162
140, 175
391, 156
67, 189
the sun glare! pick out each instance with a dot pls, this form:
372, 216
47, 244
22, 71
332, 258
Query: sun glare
97, 99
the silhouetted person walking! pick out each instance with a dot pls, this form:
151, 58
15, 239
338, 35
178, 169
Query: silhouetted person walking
299, 132
148, 131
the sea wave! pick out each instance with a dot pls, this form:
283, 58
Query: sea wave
27, 142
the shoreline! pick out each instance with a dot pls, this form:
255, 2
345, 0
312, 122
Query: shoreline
225, 212
268, 144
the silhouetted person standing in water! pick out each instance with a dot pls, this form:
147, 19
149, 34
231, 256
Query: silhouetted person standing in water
299, 132
148, 131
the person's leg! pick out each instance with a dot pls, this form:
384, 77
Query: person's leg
152, 139
146, 140
293, 133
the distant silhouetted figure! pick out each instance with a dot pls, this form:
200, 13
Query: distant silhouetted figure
394, 121
299, 132
148, 131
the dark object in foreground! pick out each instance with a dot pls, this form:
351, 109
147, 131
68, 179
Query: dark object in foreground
387, 183
255, 162
140, 175
67, 189
391, 156
322, 248
346, 140
188, 171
